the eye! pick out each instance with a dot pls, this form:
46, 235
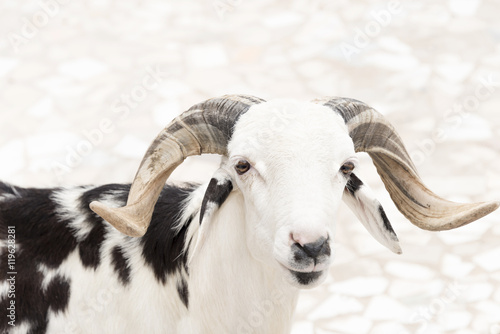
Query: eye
347, 168
242, 167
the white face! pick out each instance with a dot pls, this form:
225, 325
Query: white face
289, 160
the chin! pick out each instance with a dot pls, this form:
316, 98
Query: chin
305, 280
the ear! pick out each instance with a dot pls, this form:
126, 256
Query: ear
219, 188
361, 200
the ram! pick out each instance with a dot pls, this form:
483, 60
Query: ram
151, 258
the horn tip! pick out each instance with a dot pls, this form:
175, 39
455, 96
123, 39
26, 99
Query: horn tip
489, 207
119, 219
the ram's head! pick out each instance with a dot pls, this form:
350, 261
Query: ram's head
291, 163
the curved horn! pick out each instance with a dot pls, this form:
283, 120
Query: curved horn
205, 128
372, 133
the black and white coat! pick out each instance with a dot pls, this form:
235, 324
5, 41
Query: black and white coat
76, 273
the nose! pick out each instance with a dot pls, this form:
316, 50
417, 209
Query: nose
319, 247
314, 249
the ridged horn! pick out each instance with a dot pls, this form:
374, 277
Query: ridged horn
372, 133
205, 128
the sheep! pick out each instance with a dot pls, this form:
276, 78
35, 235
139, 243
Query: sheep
227, 256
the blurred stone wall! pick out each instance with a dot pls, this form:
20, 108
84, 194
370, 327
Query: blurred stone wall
86, 85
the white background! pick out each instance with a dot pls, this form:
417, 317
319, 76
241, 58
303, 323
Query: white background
71, 71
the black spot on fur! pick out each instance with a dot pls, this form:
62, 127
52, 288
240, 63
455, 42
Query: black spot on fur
353, 184
57, 294
215, 193
43, 236
162, 247
182, 289
90, 247
120, 265
387, 224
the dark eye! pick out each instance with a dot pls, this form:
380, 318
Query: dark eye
242, 167
347, 168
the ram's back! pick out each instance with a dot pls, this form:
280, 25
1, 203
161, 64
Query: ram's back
70, 268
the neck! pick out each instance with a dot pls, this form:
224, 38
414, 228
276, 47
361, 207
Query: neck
229, 289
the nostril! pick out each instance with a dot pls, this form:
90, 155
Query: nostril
317, 248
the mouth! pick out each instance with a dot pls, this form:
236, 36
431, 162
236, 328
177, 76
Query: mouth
304, 279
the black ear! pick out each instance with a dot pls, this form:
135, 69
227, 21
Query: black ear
218, 190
